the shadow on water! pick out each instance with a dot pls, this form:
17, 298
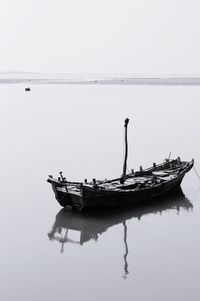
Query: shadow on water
92, 224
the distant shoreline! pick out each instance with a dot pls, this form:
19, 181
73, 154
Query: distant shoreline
185, 81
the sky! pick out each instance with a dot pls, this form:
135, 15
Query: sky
107, 36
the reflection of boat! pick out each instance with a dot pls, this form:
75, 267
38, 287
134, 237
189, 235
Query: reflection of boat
90, 225
129, 188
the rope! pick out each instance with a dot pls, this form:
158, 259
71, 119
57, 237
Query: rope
196, 173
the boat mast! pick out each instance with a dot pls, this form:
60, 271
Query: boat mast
126, 152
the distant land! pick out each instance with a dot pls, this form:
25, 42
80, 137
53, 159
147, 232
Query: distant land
17, 77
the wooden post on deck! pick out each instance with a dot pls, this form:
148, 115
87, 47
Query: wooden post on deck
126, 152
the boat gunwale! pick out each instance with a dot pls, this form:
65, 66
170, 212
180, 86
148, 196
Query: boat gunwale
184, 164
130, 175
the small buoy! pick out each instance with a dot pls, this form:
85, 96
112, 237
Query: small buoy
28, 89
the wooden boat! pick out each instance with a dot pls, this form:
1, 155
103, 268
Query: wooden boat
27, 89
131, 188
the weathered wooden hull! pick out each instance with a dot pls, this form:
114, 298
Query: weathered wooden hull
91, 197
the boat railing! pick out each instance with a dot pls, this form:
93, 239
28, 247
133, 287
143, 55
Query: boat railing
141, 172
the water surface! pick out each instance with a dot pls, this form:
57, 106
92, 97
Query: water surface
151, 253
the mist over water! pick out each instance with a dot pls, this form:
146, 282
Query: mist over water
151, 253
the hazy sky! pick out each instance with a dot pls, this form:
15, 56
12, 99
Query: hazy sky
125, 36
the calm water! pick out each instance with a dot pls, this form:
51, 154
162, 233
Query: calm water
151, 253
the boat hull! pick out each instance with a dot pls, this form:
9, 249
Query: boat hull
93, 197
